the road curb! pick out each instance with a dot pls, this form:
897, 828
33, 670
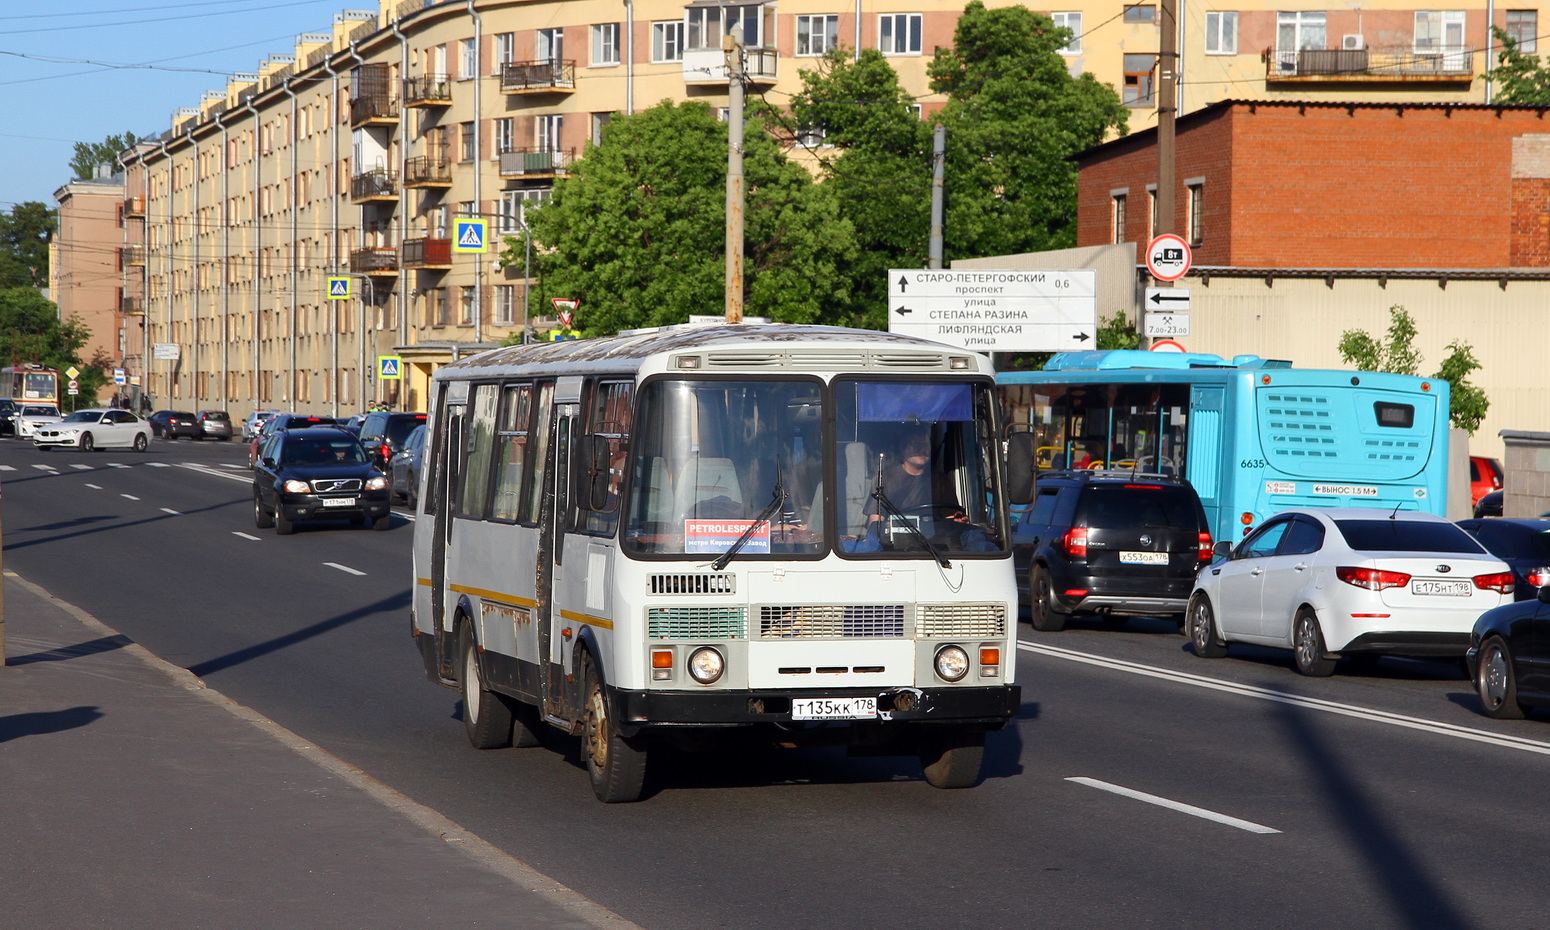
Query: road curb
479, 850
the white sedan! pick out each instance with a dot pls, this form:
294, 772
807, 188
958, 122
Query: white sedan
33, 416
96, 429
1327, 583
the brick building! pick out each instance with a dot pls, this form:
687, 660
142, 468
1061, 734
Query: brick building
1296, 184
86, 262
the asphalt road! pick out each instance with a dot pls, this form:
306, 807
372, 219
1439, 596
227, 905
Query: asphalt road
1141, 786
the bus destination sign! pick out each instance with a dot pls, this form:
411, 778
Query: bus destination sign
996, 310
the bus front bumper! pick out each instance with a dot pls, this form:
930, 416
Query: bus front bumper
988, 706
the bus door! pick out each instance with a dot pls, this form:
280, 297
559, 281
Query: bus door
1204, 464
556, 422
447, 469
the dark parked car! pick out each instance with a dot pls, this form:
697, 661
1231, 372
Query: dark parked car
405, 466
317, 474
1111, 543
284, 421
170, 424
1509, 649
1523, 543
1489, 505
8, 411
214, 424
383, 433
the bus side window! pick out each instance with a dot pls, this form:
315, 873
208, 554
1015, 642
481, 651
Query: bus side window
608, 417
480, 463
538, 452
512, 450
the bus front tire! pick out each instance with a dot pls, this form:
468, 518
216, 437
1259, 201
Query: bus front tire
486, 715
951, 757
615, 765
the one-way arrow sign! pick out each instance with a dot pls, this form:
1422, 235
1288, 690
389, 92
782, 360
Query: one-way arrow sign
1173, 299
903, 310
1083, 337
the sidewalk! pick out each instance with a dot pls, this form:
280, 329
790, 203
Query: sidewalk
131, 796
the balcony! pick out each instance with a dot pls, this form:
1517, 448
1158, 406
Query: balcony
131, 256
374, 187
134, 207
536, 163
428, 254
373, 110
424, 171
703, 66
375, 260
432, 90
131, 306
1384, 65
549, 76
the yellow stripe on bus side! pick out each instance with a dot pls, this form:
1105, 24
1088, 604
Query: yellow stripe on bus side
423, 581
512, 599
588, 620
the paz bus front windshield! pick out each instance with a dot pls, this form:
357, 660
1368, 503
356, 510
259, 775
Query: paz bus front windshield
711, 458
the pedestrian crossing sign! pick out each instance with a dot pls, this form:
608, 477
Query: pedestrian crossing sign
470, 235
339, 288
390, 367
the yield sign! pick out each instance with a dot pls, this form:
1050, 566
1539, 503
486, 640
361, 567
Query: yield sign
566, 307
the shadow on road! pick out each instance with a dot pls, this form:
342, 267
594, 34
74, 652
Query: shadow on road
12, 532
392, 604
51, 721
89, 648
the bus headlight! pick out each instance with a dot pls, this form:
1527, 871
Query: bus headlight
706, 665
952, 663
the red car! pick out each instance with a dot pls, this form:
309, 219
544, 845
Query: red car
1485, 476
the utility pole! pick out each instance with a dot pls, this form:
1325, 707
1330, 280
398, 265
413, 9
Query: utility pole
732, 44
1167, 112
938, 161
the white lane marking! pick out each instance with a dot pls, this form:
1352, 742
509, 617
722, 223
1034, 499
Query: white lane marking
207, 470
158, 464
81, 467
94, 487
171, 511
244, 535
232, 465
45, 468
130, 496
117, 465
1283, 697
1179, 806
344, 568
7, 467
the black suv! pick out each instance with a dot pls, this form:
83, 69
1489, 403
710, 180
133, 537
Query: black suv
1109, 542
317, 474
383, 434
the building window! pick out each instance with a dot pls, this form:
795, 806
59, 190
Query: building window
1221, 33
746, 17
546, 132
1119, 218
1151, 212
1295, 32
605, 44
816, 35
465, 306
703, 27
467, 60
1140, 14
599, 121
1138, 80
550, 45
1197, 203
1523, 30
503, 135
514, 207
667, 41
1073, 22
899, 33
466, 139
1439, 31
505, 50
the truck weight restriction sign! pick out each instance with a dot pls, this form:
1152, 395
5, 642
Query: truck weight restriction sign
1168, 257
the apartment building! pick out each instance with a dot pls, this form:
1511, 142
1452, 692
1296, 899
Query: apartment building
354, 155
86, 265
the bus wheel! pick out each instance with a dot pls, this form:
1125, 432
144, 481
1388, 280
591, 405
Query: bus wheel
951, 757
1044, 615
616, 766
486, 715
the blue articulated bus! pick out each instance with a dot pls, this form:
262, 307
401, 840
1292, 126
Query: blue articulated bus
1254, 436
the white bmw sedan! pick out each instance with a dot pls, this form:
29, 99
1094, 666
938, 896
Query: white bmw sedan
96, 429
1327, 583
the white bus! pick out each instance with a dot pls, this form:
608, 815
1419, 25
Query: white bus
672, 533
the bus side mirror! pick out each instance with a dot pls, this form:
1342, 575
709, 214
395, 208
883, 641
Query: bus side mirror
589, 472
1020, 468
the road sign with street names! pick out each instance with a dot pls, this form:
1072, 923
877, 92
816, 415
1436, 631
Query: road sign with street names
338, 288
996, 310
470, 235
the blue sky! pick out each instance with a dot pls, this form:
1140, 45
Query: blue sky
82, 70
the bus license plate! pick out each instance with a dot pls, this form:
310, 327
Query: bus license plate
1443, 588
856, 708
338, 502
1144, 558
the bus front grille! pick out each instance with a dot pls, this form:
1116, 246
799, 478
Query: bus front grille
691, 583
831, 621
697, 623
952, 621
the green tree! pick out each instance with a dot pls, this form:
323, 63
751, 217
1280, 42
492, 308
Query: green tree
1519, 78
88, 155
31, 333
637, 230
24, 234
1396, 352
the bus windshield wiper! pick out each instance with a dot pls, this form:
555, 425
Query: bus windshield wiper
888, 505
778, 498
